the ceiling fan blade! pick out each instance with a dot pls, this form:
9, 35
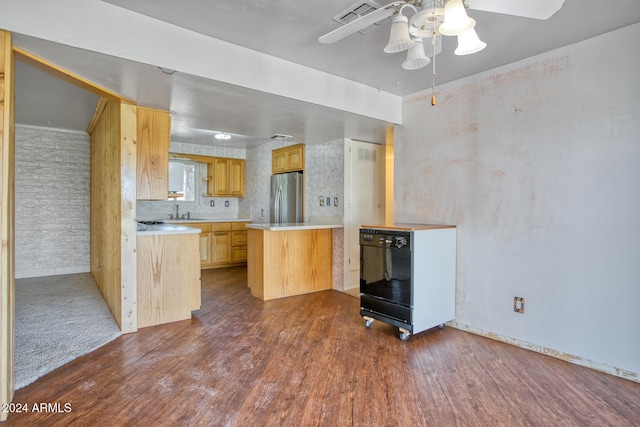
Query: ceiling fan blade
359, 23
536, 9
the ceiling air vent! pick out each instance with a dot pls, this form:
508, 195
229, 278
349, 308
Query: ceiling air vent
280, 136
357, 10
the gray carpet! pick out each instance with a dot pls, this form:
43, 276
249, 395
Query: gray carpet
58, 319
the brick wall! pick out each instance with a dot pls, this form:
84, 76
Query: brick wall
52, 202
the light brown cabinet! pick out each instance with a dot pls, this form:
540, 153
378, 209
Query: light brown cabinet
205, 240
227, 177
238, 242
153, 137
222, 244
168, 278
287, 159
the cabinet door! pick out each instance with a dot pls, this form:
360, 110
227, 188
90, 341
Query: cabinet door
221, 247
236, 177
153, 134
279, 161
295, 158
221, 177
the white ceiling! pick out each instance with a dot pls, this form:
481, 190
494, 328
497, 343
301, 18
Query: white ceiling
286, 29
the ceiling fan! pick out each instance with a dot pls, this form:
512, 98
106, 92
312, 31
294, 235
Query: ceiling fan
432, 18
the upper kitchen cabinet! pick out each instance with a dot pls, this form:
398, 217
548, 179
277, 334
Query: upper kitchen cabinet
228, 177
153, 139
288, 159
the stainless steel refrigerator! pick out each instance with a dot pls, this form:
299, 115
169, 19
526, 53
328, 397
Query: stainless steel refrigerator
286, 198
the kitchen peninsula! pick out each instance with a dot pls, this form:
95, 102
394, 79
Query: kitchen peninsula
289, 259
168, 278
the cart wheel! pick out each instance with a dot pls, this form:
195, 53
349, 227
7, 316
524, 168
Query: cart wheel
368, 323
404, 336
441, 326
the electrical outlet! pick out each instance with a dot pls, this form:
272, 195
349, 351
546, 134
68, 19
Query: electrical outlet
328, 201
518, 305
226, 203
212, 203
321, 201
335, 201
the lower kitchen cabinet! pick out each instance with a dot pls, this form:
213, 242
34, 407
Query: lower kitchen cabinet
168, 278
238, 242
222, 244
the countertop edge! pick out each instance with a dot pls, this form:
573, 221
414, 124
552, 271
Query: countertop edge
292, 227
167, 229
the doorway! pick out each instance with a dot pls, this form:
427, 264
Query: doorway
365, 199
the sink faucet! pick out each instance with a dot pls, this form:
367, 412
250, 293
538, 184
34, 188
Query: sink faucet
176, 215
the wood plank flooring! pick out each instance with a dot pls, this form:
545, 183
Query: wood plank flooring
309, 361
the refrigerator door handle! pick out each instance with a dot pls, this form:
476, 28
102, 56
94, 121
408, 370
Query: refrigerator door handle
278, 205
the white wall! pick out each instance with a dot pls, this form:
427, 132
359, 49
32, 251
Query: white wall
52, 202
538, 164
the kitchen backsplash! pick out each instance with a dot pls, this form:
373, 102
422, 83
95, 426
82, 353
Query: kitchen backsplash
202, 205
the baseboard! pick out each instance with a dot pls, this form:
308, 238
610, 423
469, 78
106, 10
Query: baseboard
618, 372
28, 274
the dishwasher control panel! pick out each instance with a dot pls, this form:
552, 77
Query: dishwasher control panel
385, 238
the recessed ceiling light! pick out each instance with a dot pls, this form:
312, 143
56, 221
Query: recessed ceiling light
222, 136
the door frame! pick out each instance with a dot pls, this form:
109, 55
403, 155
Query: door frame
386, 200
7, 215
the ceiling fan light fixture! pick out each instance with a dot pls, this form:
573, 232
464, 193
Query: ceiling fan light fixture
456, 20
469, 42
415, 56
399, 39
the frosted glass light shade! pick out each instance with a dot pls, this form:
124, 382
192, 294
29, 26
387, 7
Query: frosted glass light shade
456, 20
415, 56
399, 39
468, 43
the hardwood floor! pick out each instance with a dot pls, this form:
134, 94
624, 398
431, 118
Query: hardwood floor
308, 360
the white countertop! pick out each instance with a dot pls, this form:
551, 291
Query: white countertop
158, 229
290, 226
195, 217
198, 219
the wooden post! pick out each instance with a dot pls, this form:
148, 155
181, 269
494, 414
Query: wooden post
7, 251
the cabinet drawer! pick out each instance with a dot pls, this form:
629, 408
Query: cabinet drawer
239, 238
220, 226
239, 226
239, 254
